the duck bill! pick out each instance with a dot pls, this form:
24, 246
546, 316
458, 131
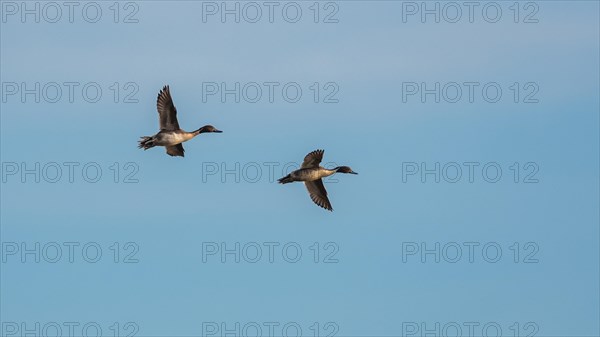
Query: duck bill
353, 172
218, 131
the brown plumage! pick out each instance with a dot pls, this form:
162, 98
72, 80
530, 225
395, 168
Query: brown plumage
311, 174
171, 136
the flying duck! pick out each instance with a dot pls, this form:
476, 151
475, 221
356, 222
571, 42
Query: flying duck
170, 135
311, 173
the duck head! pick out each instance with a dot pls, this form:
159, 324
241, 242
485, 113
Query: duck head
344, 169
208, 128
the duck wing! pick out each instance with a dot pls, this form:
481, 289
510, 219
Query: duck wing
166, 110
175, 150
312, 160
318, 193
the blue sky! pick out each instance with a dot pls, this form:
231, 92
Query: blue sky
174, 208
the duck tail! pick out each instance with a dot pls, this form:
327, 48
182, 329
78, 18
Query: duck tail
145, 143
286, 179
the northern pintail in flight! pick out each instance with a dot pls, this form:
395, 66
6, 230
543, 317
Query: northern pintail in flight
170, 135
311, 173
